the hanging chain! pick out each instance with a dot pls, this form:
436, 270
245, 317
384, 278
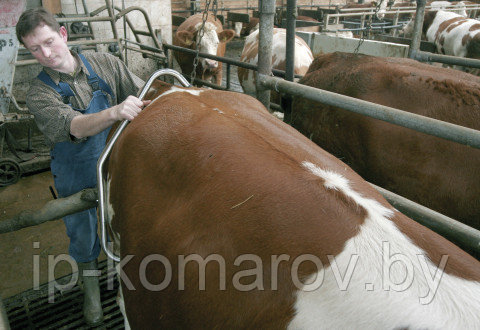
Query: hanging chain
368, 27
215, 8
200, 32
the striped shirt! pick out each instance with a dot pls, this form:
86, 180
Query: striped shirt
53, 117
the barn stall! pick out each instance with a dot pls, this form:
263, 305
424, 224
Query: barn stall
34, 244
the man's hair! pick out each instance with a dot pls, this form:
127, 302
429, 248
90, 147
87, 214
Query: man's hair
32, 18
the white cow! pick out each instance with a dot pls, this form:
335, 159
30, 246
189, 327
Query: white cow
303, 57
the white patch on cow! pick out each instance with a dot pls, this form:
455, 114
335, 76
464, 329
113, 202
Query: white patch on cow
120, 301
115, 236
175, 89
110, 211
218, 110
208, 43
392, 285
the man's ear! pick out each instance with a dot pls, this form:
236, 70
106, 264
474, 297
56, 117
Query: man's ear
63, 33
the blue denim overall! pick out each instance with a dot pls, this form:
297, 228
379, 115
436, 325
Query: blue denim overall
73, 167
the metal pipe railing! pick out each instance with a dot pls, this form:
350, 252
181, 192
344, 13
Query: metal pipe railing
448, 131
279, 73
102, 210
446, 59
449, 228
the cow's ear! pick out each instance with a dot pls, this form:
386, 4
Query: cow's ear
185, 37
226, 35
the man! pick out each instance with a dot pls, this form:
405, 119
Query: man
75, 100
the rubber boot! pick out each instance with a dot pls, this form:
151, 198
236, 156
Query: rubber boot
92, 306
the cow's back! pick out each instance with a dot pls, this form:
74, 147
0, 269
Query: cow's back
210, 175
439, 174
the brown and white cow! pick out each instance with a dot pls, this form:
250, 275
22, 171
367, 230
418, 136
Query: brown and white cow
303, 57
213, 42
229, 218
452, 34
434, 172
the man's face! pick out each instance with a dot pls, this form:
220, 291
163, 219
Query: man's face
48, 46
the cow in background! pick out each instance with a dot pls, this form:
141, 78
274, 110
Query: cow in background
452, 34
227, 218
303, 58
244, 29
434, 172
213, 42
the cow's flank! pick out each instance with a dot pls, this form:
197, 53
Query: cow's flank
229, 218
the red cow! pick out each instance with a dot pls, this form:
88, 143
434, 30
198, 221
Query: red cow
434, 172
213, 42
231, 219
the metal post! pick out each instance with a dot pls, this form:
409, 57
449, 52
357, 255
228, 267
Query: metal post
90, 26
395, 22
290, 56
290, 49
417, 29
112, 20
267, 13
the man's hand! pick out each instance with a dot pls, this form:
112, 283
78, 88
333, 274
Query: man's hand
129, 109
91, 124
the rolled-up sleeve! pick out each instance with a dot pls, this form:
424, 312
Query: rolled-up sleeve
52, 116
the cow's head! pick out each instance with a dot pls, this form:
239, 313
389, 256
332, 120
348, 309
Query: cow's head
407, 29
382, 8
209, 41
238, 26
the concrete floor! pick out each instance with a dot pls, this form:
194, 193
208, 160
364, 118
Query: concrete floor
19, 249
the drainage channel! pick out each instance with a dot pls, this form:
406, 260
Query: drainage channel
32, 310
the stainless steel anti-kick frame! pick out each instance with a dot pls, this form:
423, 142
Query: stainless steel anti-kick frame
102, 210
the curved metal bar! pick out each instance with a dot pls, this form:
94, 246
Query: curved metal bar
145, 16
102, 210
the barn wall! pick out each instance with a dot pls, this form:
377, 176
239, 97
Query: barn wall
160, 17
